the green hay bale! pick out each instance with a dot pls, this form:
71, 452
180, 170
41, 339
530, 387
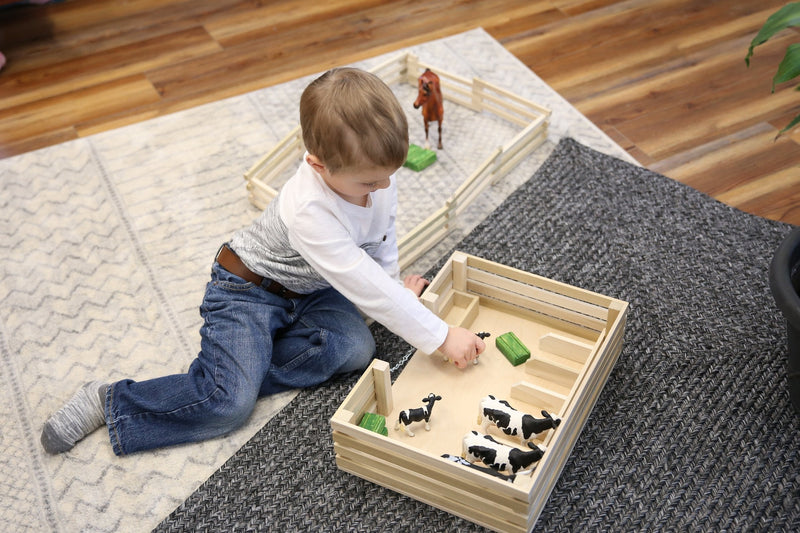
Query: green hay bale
374, 422
510, 346
419, 158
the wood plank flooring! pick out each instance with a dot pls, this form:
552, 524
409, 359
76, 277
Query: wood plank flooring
666, 79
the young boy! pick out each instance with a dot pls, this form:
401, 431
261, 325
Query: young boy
282, 308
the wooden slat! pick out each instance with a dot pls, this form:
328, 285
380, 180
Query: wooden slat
542, 397
542, 289
385, 447
282, 155
548, 372
382, 376
417, 486
541, 282
363, 390
423, 236
431, 474
544, 316
541, 306
565, 347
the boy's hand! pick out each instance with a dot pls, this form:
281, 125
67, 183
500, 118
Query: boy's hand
461, 346
415, 283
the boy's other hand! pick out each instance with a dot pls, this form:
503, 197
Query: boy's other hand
461, 346
415, 283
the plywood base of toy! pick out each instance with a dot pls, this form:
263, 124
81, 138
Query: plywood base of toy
575, 337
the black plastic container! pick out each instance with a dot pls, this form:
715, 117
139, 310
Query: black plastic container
784, 280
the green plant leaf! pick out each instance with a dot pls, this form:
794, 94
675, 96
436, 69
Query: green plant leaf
795, 121
786, 17
789, 67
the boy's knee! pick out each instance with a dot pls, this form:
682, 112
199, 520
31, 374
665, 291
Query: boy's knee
359, 352
229, 410
365, 350
359, 339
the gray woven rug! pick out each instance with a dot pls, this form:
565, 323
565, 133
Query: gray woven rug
692, 432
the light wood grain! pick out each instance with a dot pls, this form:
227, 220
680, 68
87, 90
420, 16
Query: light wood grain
665, 79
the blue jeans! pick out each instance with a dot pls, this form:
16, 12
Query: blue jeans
254, 343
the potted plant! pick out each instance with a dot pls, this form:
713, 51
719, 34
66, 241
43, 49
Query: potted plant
786, 17
784, 274
784, 281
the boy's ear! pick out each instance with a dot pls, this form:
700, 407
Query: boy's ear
316, 163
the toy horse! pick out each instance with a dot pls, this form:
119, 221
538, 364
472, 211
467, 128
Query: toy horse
429, 98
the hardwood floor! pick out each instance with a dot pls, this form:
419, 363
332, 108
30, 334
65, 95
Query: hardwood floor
666, 79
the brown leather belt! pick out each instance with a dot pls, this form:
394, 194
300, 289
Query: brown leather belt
228, 260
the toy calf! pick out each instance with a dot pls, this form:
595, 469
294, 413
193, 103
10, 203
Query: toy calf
417, 415
513, 422
477, 446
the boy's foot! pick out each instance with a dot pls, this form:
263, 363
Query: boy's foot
81, 415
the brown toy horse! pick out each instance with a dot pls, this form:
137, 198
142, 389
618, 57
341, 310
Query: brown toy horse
430, 99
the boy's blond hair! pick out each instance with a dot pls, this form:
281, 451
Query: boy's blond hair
351, 119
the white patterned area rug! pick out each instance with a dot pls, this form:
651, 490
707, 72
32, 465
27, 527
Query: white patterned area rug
107, 244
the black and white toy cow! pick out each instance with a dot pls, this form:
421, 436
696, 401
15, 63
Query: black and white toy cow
513, 422
417, 415
477, 446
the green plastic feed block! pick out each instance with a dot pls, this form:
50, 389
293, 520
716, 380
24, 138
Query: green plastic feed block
374, 422
510, 346
419, 158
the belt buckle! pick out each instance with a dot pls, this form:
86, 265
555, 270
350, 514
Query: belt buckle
278, 289
283, 292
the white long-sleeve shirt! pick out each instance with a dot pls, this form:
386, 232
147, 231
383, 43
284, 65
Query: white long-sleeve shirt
310, 238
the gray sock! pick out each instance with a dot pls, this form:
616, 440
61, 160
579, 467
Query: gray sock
81, 415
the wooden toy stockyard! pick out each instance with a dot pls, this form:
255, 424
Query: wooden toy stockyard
575, 337
474, 94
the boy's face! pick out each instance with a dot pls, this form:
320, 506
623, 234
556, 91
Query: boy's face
354, 185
